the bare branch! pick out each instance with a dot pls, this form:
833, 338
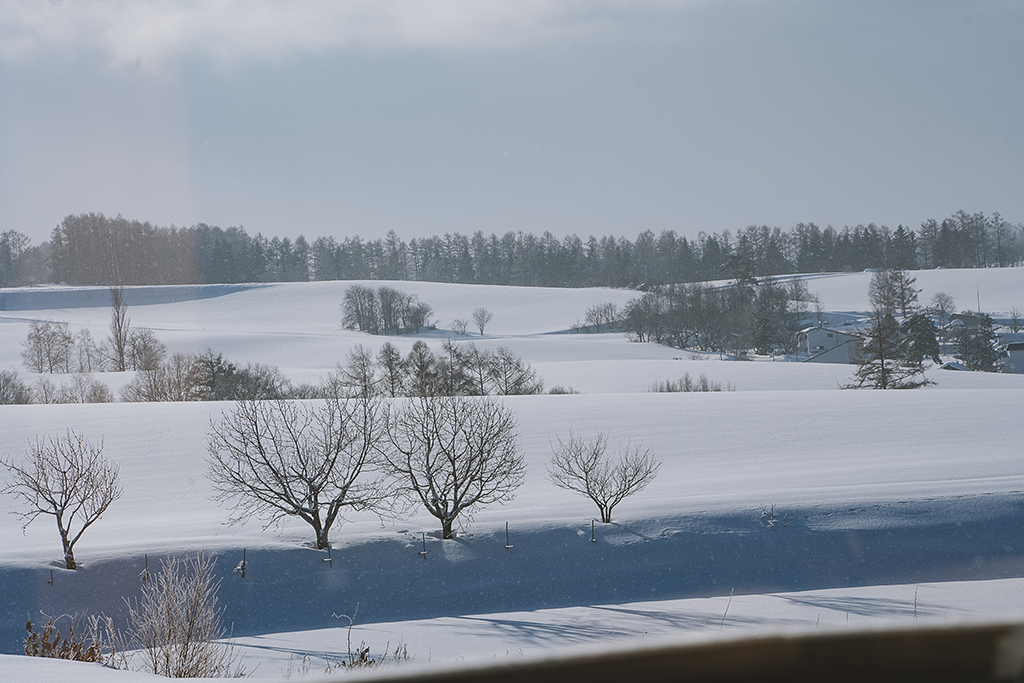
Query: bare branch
454, 454
481, 316
68, 478
274, 459
579, 465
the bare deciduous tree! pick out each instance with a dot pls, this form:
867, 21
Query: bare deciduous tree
883, 292
44, 391
421, 369
49, 347
892, 291
459, 326
944, 304
906, 293
511, 376
120, 325
175, 628
181, 378
12, 389
275, 459
66, 477
418, 315
87, 355
454, 454
393, 371
478, 365
144, 350
359, 378
481, 316
84, 388
261, 382
453, 379
360, 310
601, 317
580, 465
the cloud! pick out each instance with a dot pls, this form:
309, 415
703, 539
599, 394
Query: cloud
126, 32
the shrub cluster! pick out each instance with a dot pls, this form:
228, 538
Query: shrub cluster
688, 384
80, 645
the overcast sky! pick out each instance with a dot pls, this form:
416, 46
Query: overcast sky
569, 116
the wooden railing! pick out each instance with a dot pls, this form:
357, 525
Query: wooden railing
962, 653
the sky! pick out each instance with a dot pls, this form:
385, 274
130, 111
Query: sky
603, 117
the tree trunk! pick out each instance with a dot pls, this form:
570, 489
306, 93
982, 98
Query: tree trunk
446, 528
321, 539
69, 555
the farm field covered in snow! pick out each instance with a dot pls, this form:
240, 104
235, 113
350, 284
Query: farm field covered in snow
880, 499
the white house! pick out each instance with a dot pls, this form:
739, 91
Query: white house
825, 345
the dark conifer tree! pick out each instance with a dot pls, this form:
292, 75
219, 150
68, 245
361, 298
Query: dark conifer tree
921, 339
977, 348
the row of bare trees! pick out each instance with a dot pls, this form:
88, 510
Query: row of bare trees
272, 460
450, 455
279, 459
182, 377
207, 376
51, 347
81, 387
459, 370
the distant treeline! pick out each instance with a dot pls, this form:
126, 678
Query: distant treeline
91, 249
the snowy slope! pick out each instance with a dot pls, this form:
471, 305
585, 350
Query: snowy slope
876, 488
726, 451
296, 326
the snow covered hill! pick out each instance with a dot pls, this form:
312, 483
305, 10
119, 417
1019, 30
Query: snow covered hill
896, 489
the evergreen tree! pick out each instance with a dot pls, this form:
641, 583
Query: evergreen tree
903, 286
903, 249
769, 319
977, 348
94, 249
880, 360
921, 339
219, 377
882, 293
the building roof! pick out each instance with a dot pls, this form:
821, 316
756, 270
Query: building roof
829, 329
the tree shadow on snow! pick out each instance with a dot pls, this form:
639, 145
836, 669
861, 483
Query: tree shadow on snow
704, 555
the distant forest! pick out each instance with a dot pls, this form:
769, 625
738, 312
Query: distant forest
92, 249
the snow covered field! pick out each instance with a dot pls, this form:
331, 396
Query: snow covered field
890, 507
